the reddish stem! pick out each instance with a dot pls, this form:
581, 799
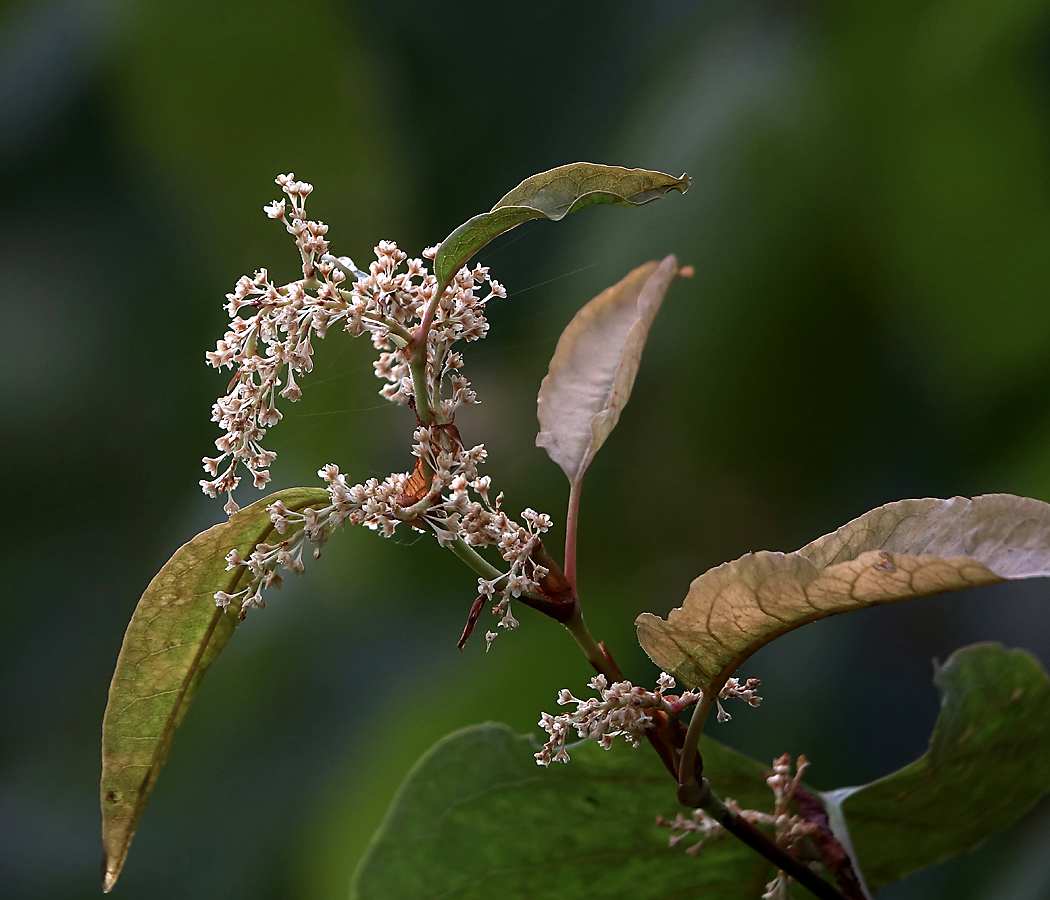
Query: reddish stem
572, 517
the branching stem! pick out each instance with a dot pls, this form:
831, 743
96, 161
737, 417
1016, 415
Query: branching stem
423, 332
705, 799
596, 653
693, 792
474, 559
687, 774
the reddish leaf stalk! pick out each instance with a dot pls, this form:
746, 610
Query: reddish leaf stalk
572, 519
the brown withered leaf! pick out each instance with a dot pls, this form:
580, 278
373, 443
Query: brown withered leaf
415, 488
594, 366
900, 551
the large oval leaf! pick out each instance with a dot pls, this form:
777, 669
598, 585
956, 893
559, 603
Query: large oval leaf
595, 364
175, 634
907, 549
988, 763
552, 195
477, 818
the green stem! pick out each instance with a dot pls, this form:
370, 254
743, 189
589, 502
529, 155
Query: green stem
393, 327
423, 331
686, 766
575, 625
594, 651
418, 366
486, 570
408, 513
474, 559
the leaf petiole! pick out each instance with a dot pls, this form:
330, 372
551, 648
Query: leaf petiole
687, 774
572, 518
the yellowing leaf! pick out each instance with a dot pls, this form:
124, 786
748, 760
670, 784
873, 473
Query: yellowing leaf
595, 364
552, 195
175, 634
903, 550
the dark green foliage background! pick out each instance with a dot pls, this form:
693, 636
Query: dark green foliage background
479, 789
870, 223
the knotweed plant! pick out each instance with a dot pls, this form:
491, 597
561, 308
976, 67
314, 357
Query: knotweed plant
421, 313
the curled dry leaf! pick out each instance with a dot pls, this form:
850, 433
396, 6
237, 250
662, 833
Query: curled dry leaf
175, 634
903, 550
595, 364
552, 195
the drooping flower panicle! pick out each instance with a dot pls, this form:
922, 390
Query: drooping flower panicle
273, 343
270, 342
622, 708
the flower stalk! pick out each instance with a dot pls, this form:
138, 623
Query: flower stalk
740, 828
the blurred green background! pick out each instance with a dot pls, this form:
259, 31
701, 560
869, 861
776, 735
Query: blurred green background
870, 224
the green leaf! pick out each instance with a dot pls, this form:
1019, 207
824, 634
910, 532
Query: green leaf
477, 818
903, 550
594, 366
551, 195
175, 634
988, 763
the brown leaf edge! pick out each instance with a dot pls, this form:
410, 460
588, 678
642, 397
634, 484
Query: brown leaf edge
884, 543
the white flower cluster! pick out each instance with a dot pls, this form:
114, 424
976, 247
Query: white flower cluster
699, 823
734, 690
273, 344
790, 830
620, 709
484, 524
378, 505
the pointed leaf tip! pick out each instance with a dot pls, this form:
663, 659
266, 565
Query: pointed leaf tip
175, 634
552, 195
594, 366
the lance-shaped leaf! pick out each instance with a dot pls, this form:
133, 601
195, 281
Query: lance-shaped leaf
175, 634
903, 550
552, 195
595, 364
988, 763
477, 818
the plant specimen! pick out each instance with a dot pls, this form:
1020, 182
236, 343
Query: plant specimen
420, 313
